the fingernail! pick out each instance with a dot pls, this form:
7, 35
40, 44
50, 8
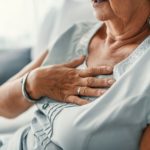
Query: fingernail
108, 68
100, 92
103, 91
111, 81
102, 67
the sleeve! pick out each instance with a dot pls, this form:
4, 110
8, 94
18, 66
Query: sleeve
65, 46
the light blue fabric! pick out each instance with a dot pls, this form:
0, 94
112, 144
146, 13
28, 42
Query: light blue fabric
110, 122
114, 121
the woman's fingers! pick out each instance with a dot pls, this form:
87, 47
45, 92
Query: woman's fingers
76, 100
61, 81
75, 63
97, 82
92, 92
84, 91
95, 71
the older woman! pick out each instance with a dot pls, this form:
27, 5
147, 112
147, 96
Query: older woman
118, 118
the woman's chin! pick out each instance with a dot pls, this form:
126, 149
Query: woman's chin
101, 17
102, 10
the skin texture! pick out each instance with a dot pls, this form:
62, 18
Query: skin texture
121, 33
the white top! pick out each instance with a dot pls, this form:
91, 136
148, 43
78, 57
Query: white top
111, 122
114, 121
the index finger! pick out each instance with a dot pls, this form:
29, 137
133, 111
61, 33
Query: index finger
95, 71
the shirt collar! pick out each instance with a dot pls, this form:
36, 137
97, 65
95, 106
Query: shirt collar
120, 68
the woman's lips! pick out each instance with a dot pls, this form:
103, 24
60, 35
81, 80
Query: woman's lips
96, 3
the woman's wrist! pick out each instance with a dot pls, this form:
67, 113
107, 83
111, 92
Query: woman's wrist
28, 90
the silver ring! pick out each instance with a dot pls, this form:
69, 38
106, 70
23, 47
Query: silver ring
78, 90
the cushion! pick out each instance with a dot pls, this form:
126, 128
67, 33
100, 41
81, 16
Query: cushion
12, 61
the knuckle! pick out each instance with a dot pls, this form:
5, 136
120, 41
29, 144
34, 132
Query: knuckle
71, 72
72, 75
102, 69
105, 82
106, 69
90, 71
85, 90
90, 81
95, 92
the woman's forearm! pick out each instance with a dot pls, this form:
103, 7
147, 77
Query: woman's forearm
12, 102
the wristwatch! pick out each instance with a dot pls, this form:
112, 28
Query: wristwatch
24, 91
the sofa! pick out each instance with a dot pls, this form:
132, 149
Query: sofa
11, 61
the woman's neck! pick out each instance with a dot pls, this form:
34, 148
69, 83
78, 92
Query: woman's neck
118, 33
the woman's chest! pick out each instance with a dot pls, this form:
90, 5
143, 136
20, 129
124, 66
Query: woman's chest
101, 57
101, 53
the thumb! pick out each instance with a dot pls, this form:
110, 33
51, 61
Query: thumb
75, 63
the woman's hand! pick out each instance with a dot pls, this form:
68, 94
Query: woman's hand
63, 82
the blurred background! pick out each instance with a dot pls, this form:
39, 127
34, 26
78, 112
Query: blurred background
27, 27
20, 21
